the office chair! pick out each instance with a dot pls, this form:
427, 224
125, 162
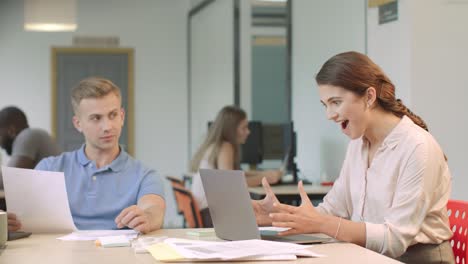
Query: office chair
458, 218
178, 183
188, 207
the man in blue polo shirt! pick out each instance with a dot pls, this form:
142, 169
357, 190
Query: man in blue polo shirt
107, 189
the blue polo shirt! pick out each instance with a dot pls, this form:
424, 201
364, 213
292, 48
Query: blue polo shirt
97, 196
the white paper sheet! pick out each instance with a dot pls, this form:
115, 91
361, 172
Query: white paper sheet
39, 199
95, 234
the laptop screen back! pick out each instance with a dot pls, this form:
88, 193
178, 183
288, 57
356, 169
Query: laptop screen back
229, 204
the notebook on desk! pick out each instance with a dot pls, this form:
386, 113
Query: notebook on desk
231, 209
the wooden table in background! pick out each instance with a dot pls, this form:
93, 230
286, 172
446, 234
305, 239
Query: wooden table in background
289, 194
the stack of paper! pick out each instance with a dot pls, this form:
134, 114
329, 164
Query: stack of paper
181, 250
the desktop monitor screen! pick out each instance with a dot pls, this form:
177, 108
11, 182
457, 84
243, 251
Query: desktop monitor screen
252, 150
278, 140
273, 141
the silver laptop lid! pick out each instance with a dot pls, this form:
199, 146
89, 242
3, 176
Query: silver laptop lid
229, 204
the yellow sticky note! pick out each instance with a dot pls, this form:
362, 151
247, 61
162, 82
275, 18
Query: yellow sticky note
164, 252
201, 232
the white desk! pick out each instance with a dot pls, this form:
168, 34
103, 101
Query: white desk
47, 249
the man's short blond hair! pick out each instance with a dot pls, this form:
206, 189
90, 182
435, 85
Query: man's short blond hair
93, 87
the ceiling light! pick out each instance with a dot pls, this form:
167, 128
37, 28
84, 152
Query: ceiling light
50, 15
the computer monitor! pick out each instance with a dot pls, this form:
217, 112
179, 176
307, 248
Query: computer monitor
273, 141
279, 141
290, 140
252, 149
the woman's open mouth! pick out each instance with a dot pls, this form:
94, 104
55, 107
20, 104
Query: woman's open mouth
344, 124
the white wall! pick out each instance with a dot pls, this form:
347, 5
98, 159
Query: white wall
157, 32
194, 3
389, 46
425, 54
439, 90
321, 29
212, 63
211, 66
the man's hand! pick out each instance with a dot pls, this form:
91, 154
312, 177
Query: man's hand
14, 224
263, 208
146, 216
134, 217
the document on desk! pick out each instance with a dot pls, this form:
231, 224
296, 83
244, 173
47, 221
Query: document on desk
39, 199
179, 250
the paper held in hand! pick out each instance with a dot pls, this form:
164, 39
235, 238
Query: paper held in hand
46, 209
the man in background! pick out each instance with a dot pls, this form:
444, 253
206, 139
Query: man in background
26, 146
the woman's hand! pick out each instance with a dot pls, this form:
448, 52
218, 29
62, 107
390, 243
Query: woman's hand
301, 220
263, 208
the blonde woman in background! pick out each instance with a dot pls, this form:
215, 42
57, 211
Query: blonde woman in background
221, 150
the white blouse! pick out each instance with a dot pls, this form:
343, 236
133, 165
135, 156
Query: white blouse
197, 186
401, 197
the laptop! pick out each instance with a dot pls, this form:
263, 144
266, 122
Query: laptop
232, 212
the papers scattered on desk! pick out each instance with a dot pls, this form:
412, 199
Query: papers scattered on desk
181, 250
96, 234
